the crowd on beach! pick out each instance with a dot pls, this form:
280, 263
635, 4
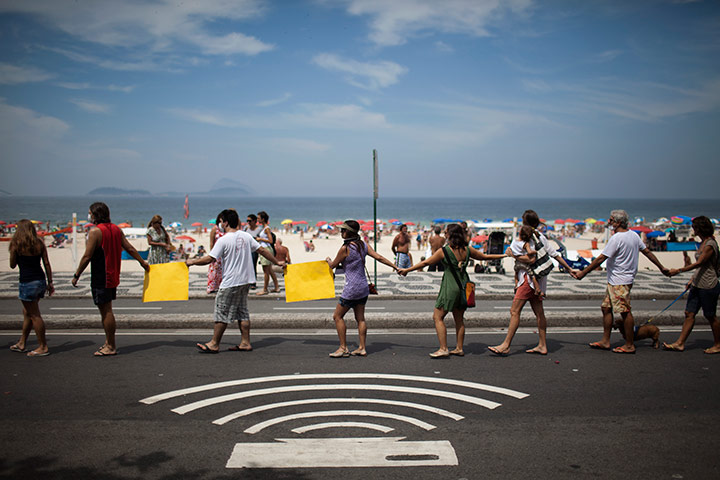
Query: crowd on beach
235, 250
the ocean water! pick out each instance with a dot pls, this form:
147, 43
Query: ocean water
139, 210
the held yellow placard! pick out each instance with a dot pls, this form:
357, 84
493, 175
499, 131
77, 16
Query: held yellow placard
309, 281
166, 282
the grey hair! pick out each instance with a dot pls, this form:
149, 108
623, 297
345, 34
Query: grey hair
620, 217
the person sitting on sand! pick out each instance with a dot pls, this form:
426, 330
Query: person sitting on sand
704, 286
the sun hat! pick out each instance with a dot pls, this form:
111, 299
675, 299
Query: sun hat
347, 227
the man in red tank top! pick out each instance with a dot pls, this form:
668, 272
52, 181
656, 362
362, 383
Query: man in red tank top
103, 249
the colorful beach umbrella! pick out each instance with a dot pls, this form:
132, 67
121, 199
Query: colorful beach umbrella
286, 221
196, 224
393, 220
2, 222
641, 229
320, 224
185, 237
479, 238
680, 220
124, 225
655, 234
559, 221
367, 227
590, 221
409, 223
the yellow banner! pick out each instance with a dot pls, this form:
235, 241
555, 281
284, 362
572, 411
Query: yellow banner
166, 282
309, 281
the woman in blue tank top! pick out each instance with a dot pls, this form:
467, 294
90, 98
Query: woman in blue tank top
355, 293
26, 251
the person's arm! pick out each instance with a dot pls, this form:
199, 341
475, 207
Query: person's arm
339, 258
651, 256
432, 260
705, 256
393, 247
48, 270
380, 258
94, 239
127, 246
593, 265
207, 259
265, 253
154, 243
213, 230
13, 259
287, 256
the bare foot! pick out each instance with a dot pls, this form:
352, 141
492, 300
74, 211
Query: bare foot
458, 352
105, 351
712, 350
537, 350
499, 350
263, 292
360, 352
340, 353
673, 347
440, 354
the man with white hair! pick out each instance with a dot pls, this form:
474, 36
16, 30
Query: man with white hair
621, 252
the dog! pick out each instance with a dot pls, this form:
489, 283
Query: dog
642, 332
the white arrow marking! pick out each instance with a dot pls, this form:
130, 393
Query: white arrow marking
321, 426
308, 401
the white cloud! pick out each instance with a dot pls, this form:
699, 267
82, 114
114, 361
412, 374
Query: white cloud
275, 101
91, 107
296, 145
606, 56
22, 123
88, 86
369, 75
13, 75
160, 26
394, 22
441, 46
209, 118
345, 117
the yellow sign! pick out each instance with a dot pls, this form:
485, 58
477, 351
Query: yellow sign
309, 281
166, 282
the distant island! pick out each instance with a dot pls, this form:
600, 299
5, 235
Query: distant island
5, 193
118, 192
224, 187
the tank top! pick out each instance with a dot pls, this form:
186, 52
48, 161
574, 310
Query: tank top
356, 285
707, 275
105, 262
30, 269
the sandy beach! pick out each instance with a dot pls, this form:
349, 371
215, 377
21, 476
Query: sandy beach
62, 260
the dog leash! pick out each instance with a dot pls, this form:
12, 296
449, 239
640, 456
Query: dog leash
671, 304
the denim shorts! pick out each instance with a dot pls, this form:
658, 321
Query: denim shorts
705, 298
352, 303
31, 291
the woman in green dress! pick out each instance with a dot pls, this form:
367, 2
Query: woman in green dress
159, 242
455, 256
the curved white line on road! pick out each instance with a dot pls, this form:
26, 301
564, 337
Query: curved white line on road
318, 376
342, 386
308, 401
338, 413
321, 426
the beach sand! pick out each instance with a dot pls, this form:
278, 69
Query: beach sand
61, 259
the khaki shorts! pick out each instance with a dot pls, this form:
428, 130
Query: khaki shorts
617, 298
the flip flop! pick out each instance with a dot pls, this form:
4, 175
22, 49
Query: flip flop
337, 354
17, 349
672, 348
355, 353
535, 352
205, 349
496, 351
436, 355
598, 346
33, 353
100, 353
458, 353
236, 348
622, 350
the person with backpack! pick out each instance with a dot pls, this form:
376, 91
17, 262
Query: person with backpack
704, 286
525, 291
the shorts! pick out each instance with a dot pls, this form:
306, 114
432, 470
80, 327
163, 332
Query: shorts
525, 291
617, 298
102, 296
436, 267
231, 304
352, 303
705, 298
31, 291
403, 260
264, 262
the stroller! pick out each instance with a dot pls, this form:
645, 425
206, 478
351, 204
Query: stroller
495, 245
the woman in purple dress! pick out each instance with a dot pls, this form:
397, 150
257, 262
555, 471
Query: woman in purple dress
355, 293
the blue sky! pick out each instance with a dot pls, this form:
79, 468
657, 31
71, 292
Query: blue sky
465, 98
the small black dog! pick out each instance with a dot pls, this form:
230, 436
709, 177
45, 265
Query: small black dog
642, 332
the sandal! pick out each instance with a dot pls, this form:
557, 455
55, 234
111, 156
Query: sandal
339, 353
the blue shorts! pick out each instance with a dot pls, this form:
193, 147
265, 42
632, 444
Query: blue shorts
101, 296
705, 298
31, 291
403, 260
352, 303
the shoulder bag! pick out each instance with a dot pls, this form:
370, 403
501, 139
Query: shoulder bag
469, 287
542, 266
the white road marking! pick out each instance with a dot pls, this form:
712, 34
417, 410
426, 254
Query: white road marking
338, 413
321, 426
320, 308
114, 308
317, 376
349, 386
555, 308
309, 401
356, 452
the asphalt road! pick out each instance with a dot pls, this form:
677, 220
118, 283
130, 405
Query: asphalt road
575, 413
61, 306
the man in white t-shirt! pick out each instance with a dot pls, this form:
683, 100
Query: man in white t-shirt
235, 249
622, 252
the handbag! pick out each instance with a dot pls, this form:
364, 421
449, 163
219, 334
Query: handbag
542, 266
469, 287
371, 286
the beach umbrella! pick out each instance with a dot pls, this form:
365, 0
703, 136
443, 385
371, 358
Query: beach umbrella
185, 237
641, 229
11, 225
676, 220
36, 221
559, 221
2, 222
320, 224
479, 238
590, 221
393, 220
176, 224
124, 225
396, 222
212, 221
663, 220
580, 223
655, 234
714, 221
367, 227
486, 220
542, 220
88, 225
196, 224
508, 220
639, 219
286, 221
413, 223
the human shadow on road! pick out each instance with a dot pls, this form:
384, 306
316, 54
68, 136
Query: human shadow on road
185, 344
